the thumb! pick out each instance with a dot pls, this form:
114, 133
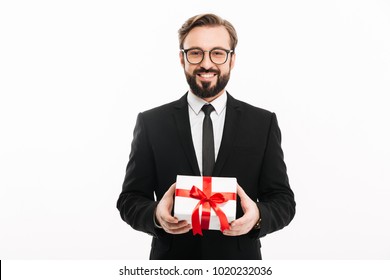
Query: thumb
246, 201
241, 193
171, 191
164, 207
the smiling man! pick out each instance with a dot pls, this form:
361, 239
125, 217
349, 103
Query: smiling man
207, 132
207, 75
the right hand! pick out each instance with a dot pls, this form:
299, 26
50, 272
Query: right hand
163, 214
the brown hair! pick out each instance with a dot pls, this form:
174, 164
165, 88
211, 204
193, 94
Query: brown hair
207, 20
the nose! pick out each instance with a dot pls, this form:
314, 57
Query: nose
206, 62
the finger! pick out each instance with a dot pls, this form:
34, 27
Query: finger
231, 232
243, 220
167, 218
240, 226
234, 227
239, 222
237, 231
173, 228
241, 193
171, 190
163, 211
163, 214
177, 225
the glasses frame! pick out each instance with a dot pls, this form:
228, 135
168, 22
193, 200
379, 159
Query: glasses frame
185, 51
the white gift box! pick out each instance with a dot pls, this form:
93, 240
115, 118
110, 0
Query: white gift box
185, 204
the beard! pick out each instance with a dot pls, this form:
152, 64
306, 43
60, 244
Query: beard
206, 90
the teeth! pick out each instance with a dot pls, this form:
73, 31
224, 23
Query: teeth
207, 75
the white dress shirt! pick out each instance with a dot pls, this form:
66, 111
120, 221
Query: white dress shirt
196, 114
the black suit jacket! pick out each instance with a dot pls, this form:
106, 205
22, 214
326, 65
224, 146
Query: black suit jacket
250, 151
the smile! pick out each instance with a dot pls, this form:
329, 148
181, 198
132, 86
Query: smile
207, 75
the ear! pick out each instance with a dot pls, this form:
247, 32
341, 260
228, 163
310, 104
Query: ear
181, 55
232, 60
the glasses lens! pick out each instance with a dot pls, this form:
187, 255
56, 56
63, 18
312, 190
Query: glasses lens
194, 56
218, 56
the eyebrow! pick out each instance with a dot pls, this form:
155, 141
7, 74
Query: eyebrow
217, 47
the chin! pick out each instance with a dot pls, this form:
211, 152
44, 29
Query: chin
206, 85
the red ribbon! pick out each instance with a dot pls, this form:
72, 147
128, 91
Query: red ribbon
208, 200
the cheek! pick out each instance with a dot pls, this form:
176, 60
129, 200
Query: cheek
189, 68
225, 70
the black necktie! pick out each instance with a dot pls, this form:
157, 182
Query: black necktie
208, 141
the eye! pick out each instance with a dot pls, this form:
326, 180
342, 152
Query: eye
218, 53
194, 53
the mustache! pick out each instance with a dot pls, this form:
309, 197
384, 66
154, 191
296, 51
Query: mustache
203, 70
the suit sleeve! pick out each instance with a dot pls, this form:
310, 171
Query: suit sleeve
136, 202
276, 199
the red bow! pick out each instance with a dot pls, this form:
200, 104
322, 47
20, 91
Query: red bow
208, 200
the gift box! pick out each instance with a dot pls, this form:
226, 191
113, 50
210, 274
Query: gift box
205, 202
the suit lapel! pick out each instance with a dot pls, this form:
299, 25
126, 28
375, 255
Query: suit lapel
232, 121
184, 132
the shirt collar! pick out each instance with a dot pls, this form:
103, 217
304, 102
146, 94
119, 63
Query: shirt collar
196, 103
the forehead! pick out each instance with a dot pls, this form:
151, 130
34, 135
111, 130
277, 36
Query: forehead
207, 37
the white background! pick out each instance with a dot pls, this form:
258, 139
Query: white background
75, 74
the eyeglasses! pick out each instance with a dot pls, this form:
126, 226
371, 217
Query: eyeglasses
196, 55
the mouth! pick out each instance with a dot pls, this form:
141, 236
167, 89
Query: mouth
206, 76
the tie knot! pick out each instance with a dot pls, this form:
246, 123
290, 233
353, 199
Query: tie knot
207, 109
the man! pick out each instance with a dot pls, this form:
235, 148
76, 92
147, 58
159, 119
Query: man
246, 144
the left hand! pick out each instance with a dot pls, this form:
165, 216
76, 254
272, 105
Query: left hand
251, 215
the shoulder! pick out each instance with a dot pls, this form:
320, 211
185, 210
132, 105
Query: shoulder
248, 109
165, 109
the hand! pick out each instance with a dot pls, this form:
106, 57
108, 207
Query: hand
251, 215
163, 214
